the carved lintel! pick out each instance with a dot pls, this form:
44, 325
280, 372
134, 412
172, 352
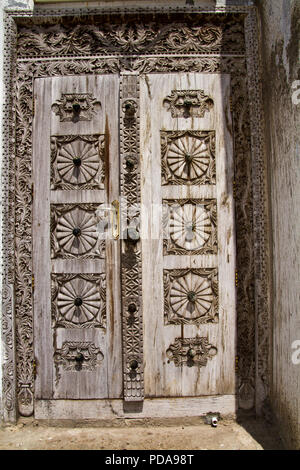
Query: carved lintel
191, 352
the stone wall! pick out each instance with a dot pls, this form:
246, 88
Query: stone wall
280, 34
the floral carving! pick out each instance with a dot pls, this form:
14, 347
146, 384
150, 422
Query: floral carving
78, 301
190, 226
191, 352
131, 272
75, 231
48, 40
75, 356
191, 296
188, 157
76, 107
188, 103
110, 36
77, 162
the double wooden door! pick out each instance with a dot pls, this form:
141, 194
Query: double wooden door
184, 234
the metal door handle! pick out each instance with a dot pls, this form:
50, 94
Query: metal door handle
115, 219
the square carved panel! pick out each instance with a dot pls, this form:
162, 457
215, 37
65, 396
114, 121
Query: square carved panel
77, 162
76, 232
188, 157
190, 226
190, 296
78, 300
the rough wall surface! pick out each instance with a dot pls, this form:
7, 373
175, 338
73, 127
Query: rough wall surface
280, 28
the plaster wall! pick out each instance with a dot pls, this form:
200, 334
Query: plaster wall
280, 34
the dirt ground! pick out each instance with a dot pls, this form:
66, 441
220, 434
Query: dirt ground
183, 434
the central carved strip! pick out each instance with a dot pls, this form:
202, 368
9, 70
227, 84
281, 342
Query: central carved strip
133, 375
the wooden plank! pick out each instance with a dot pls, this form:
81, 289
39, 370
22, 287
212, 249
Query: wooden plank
152, 408
43, 344
105, 378
162, 377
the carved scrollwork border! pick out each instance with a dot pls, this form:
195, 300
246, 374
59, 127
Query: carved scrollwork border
253, 299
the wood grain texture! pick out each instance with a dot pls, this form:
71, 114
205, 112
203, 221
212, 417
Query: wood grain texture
60, 379
152, 408
163, 379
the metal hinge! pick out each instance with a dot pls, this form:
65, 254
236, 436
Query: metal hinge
236, 278
32, 283
234, 189
32, 189
236, 363
33, 106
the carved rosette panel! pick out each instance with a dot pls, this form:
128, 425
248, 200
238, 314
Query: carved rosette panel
75, 231
188, 103
76, 107
190, 226
77, 162
36, 40
191, 352
75, 356
188, 157
131, 275
78, 300
190, 296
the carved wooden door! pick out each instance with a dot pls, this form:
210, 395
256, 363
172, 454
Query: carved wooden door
77, 324
188, 245
176, 335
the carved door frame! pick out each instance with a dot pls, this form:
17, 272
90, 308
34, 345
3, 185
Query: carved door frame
218, 48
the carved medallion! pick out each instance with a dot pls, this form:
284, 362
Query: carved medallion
75, 356
78, 300
188, 157
191, 352
190, 296
190, 226
77, 162
75, 231
76, 107
188, 103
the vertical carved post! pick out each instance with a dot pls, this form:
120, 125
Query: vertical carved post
131, 277
261, 248
8, 220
